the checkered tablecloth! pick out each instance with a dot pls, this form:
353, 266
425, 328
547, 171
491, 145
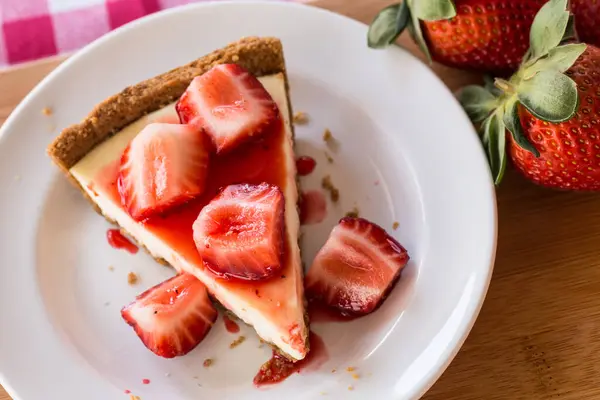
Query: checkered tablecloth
33, 29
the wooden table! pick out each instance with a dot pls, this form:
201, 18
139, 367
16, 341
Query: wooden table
538, 335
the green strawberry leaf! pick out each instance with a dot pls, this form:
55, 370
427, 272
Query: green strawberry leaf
433, 10
388, 25
549, 95
558, 59
477, 102
414, 27
548, 27
569, 31
493, 138
513, 124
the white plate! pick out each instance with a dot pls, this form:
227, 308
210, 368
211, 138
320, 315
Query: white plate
407, 154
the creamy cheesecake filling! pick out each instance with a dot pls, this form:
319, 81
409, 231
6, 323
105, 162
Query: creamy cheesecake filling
275, 308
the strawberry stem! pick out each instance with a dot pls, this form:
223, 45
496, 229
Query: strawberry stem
504, 85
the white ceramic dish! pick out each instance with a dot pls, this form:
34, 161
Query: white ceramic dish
407, 154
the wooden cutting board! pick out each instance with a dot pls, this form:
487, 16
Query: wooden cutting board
538, 335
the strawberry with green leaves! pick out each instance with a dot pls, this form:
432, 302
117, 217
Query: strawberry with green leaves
483, 35
587, 16
547, 115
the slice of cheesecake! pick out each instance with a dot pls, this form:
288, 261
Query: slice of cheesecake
90, 154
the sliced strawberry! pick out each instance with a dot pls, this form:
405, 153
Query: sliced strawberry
240, 232
172, 317
229, 104
356, 268
164, 166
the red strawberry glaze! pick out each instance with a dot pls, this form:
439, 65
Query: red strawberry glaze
118, 241
305, 165
251, 163
278, 368
230, 325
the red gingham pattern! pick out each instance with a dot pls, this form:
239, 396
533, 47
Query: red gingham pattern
33, 29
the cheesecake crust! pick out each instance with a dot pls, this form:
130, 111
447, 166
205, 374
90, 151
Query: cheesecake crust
259, 55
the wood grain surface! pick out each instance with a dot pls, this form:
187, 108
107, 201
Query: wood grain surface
538, 335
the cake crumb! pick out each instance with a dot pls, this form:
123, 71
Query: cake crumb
333, 371
395, 225
330, 141
355, 376
111, 268
323, 393
47, 111
235, 58
17, 178
329, 158
300, 118
334, 193
350, 387
350, 369
208, 362
237, 342
196, 377
132, 278
354, 213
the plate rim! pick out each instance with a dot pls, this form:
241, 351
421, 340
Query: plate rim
474, 308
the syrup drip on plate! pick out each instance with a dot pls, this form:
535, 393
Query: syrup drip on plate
118, 241
230, 325
305, 165
278, 368
313, 207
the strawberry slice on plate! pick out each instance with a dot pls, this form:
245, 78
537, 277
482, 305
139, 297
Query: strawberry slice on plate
164, 166
172, 317
356, 268
240, 233
229, 104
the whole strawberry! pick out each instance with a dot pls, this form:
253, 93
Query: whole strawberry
549, 107
483, 35
587, 20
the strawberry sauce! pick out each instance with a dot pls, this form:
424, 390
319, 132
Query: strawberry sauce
118, 241
305, 165
255, 162
251, 163
230, 325
313, 207
278, 368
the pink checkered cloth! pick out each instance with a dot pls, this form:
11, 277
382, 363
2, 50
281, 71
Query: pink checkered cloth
33, 29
